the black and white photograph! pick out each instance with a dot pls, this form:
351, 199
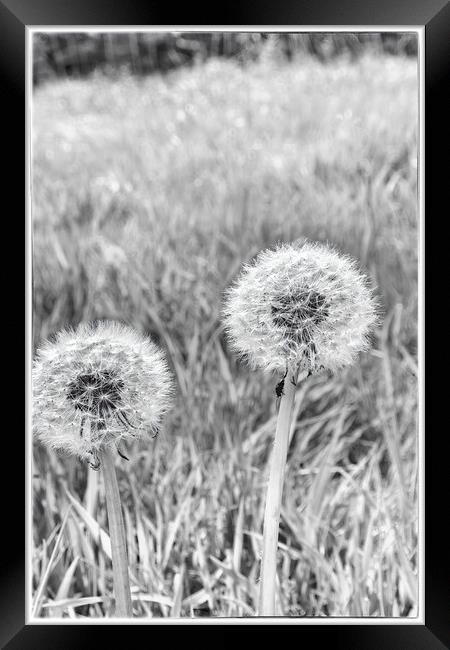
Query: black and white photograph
226, 416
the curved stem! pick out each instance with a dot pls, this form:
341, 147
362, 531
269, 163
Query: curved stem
122, 591
273, 500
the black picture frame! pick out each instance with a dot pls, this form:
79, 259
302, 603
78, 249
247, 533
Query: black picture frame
434, 16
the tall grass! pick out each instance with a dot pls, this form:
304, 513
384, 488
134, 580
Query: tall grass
148, 194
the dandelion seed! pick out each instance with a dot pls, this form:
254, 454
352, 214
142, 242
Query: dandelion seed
94, 386
306, 307
98, 384
296, 309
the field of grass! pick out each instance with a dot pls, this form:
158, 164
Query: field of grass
148, 195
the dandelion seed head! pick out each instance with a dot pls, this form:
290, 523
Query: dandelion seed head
303, 306
100, 383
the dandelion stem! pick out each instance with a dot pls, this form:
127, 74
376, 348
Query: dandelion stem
117, 536
273, 500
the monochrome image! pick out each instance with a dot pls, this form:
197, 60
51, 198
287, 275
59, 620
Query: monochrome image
225, 413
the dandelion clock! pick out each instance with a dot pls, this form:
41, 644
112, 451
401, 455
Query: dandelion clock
94, 388
97, 386
295, 310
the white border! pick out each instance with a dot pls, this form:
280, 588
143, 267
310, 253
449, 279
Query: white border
421, 325
224, 28
420, 618
28, 328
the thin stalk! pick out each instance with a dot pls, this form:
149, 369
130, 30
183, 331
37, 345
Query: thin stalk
273, 499
122, 591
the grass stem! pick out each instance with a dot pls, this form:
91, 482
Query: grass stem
117, 535
273, 500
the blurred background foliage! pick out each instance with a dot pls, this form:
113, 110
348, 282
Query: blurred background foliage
78, 54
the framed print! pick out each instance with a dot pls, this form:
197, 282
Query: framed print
225, 323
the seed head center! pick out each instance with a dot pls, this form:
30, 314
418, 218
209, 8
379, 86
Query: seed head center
299, 312
98, 393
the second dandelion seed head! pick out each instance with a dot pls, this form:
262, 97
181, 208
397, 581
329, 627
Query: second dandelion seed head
305, 307
98, 384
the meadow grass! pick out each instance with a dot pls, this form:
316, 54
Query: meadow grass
148, 195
